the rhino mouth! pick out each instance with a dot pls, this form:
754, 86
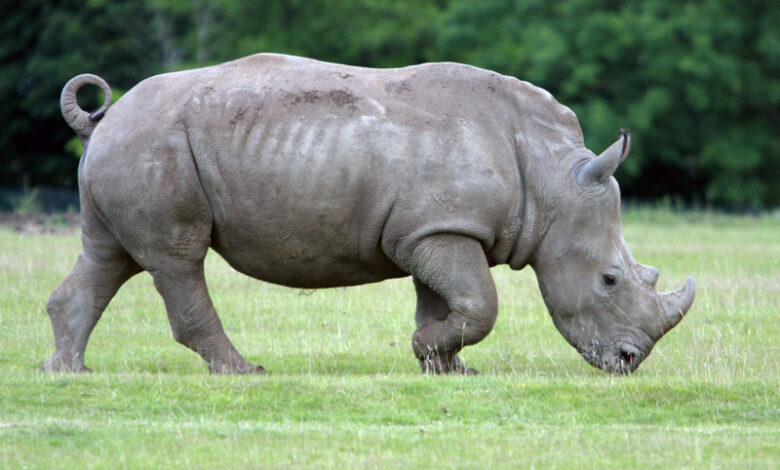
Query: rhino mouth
621, 359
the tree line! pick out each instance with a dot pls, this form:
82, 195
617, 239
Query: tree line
697, 82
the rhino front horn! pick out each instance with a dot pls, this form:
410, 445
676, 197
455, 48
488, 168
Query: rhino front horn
677, 303
602, 167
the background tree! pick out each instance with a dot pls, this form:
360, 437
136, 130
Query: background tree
42, 45
698, 83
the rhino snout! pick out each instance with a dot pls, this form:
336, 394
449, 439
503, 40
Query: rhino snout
623, 358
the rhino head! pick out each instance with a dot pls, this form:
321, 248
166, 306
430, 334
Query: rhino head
600, 298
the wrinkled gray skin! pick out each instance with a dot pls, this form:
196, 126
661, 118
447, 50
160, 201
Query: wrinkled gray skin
310, 174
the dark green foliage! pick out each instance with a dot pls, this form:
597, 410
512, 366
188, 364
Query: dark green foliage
42, 45
697, 83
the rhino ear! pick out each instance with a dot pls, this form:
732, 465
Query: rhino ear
599, 169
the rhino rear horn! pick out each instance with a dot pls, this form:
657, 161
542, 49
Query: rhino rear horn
599, 169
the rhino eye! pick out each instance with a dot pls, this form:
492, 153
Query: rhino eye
608, 280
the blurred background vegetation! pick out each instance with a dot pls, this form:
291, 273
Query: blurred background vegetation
697, 82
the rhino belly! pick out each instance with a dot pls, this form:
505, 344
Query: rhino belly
292, 245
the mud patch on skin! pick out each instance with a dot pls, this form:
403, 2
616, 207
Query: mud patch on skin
342, 75
239, 115
342, 98
494, 82
242, 113
308, 96
398, 87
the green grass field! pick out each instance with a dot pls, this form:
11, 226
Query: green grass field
344, 390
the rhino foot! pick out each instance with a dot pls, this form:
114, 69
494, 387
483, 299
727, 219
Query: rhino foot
243, 369
60, 362
438, 365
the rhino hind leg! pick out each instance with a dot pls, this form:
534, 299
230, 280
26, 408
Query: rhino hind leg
456, 301
194, 320
77, 303
175, 238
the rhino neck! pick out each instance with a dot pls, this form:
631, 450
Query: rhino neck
547, 138
543, 177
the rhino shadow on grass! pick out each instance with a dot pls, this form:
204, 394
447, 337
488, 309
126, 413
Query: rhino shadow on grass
311, 175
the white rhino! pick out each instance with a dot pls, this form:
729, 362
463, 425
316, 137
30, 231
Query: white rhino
310, 174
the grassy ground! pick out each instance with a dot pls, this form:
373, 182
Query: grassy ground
344, 390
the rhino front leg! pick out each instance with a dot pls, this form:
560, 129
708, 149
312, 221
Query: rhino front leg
194, 320
456, 301
431, 316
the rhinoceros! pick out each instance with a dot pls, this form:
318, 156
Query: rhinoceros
311, 175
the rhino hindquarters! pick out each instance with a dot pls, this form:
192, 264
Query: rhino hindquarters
150, 196
457, 303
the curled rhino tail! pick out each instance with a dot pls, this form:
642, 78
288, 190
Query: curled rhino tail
82, 122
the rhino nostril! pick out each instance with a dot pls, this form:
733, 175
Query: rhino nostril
626, 357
